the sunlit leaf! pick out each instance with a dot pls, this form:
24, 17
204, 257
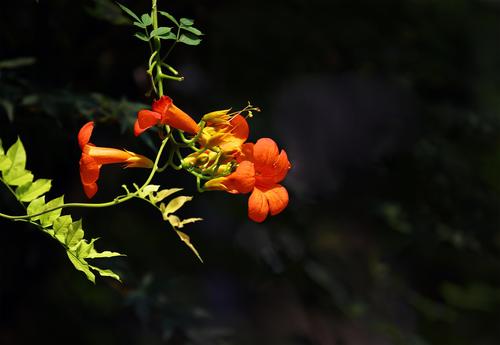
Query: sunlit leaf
35, 207
32, 190
165, 193
81, 266
48, 218
185, 238
174, 205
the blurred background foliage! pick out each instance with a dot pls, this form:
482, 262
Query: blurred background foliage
390, 113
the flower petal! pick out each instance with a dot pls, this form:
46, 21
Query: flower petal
246, 152
90, 189
162, 105
177, 118
265, 153
89, 169
258, 207
277, 197
85, 133
242, 180
89, 174
269, 175
145, 120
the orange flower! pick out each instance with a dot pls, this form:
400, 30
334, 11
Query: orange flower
229, 136
164, 112
93, 157
261, 169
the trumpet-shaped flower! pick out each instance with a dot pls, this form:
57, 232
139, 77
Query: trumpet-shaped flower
164, 112
260, 170
93, 157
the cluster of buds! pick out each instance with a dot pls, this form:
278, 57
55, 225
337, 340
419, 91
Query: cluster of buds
221, 158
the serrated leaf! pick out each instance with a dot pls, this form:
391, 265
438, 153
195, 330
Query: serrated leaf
146, 19
160, 31
32, 190
189, 39
129, 12
48, 218
36, 206
75, 233
106, 273
174, 205
186, 22
17, 176
193, 30
169, 16
105, 254
142, 36
5, 163
185, 238
165, 193
81, 265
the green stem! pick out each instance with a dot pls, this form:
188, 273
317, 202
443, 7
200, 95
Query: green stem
114, 202
157, 47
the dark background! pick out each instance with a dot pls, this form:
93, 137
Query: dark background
390, 114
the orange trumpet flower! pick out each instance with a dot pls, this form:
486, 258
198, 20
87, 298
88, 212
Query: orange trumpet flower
93, 157
164, 112
260, 170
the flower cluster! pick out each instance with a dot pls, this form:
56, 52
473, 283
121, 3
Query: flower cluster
222, 157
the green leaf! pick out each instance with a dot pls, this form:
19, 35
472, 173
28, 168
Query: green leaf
189, 39
146, 19
60, 228
32, 190
185, 238
129, 12
75, 234
48, 218
9, 108
169, 16
5, 163
105, 254
81, 265
17, 176
193, 30
140, 25
17, 154
174, 205
160, 31
36, 206
106, 273
165, 193
142, 36
186, 22
2, 152
168, 36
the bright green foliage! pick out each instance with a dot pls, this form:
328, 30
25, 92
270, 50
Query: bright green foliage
46, 216
153, 195
186, 32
